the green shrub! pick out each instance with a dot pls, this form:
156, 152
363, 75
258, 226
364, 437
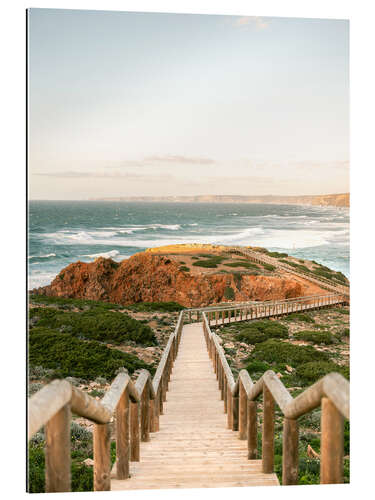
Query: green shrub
211, 262
259, 331
73, 303
347, 437
257, 367
275, 351
305, 318
341, 277
246, 264
345, 332
82, 477
104, 326
36, 467
277, 254
314, 370
184, 268
229, 293
269, 267
156, 306
67, 356
318, 337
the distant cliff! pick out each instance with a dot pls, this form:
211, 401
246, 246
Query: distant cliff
337, 200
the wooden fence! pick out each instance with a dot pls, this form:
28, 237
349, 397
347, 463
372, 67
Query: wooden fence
331, 393
135, 407
275, 308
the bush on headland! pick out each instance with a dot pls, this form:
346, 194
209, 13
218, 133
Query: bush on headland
156, 306
275, 351
318, 337
67, 355
315, 370
83, 304
303, 317
104, 326
259, 331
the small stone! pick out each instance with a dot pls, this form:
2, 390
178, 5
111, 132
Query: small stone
288, 368
89, 462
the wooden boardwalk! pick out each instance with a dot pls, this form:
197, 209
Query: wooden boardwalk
193, 448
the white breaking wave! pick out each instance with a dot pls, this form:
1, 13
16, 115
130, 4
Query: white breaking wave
107, 255
39, 278
48, 255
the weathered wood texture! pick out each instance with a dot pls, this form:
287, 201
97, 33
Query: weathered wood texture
332, 446
194, 447
57, 469
290, 452
102, 458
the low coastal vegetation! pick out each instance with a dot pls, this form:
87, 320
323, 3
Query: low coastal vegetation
300, 348
104, 326
66, 355
85, 342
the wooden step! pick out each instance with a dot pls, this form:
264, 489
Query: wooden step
194, 448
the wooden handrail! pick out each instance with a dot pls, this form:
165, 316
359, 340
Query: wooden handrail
321, 280
331, 392
53, 404
254, 303
46, 403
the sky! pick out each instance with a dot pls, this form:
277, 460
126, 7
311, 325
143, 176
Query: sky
138, 104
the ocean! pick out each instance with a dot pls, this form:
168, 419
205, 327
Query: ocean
61, 232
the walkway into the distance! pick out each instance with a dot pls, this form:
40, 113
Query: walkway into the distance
194, 448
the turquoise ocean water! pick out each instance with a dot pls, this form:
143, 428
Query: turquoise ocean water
61, 232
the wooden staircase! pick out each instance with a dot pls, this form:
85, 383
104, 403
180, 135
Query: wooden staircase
194, 447
193, 424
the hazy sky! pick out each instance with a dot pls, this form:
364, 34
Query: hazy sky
125, 104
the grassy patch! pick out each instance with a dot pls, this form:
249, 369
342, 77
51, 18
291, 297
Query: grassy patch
314, 370
67, 355
303, 317
212, 262
104, 326
259, 331
269, 267
277, 352
184, 268
156, 306
241, 263
66, 303
229, 293
318, 337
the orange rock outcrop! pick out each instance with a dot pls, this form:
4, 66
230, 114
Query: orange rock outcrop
146, 277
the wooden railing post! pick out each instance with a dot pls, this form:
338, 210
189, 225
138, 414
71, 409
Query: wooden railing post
145, 414
102, 457
235, 410
57, 468
268, 431
152, 415
332, 444
252, 430
242, 418
122, 436
226, 389
134, 432
290, 451
230, 409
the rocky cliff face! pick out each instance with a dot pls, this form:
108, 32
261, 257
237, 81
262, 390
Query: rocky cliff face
145, 277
